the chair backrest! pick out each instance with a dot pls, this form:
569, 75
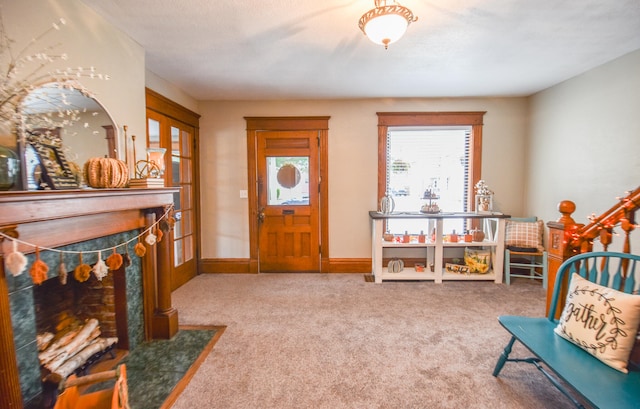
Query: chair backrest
607, 268
523, 219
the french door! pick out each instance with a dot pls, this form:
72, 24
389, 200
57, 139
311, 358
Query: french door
179, 140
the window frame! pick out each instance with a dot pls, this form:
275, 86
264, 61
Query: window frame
473, 119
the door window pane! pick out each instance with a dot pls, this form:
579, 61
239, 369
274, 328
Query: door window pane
176, 201
188, 248
186, 165
177, 227
178, 253
186, 143
175, 170
187, 222
153, 133
288, 180
175, 141
186, 196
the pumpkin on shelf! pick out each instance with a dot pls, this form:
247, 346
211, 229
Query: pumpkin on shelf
477, 235
106, 173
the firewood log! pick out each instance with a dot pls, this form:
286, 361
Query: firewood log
64, 348
43, 340
52, 351
65, 355
81, 357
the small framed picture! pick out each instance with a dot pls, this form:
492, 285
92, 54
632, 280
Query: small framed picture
55, 172
484, 203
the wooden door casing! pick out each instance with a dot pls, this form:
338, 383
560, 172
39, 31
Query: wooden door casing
289, 235
254, 126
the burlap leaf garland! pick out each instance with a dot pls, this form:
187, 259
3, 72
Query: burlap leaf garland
62, 271
82, 272
100, 269
16, 262
39, 269
114, 261
140, 249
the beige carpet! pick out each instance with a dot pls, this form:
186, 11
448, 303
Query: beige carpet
337, 341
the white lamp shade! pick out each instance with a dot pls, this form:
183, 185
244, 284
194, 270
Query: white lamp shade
386, 29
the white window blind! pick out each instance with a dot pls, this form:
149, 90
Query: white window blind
428, 159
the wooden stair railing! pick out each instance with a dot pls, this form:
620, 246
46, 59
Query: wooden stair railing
568, 238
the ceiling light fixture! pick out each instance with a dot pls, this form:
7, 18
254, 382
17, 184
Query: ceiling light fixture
386, 23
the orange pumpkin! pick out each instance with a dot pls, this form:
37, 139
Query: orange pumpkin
106, 173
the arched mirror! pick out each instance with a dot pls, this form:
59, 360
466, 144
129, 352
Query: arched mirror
62, 126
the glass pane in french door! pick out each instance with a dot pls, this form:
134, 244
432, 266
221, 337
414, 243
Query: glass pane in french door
187, 218
181, 168
176, 175
177, 227
178, 252
153, 132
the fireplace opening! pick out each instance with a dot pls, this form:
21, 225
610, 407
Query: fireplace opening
77, 323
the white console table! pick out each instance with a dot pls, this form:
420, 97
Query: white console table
433, 250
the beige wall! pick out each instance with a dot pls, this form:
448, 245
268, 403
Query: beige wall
88, 40
577, 140
170, 91
585, 141
352, 164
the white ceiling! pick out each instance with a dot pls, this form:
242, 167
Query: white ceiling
313, 49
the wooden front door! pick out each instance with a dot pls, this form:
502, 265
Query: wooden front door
288, 201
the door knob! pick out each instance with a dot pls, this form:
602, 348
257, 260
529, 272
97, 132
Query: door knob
261, 215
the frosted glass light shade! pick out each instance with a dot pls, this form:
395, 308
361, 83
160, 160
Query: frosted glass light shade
385, 24
386, 29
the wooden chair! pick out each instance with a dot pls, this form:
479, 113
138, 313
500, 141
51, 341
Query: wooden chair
113, 398
521, 254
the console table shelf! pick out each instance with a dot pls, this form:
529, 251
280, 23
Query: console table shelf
433, 251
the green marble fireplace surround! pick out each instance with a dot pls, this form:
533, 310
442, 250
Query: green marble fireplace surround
23, 314
81, 221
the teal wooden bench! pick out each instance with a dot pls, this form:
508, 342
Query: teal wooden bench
598, 384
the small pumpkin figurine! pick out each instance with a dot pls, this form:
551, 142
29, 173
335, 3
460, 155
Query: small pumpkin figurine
395, 265
477, 234
106, 173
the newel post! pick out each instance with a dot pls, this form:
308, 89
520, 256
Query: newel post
560, 235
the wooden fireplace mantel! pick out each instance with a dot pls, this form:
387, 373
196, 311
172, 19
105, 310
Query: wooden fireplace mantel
58, 218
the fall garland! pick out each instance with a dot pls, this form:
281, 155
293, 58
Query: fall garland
16, 262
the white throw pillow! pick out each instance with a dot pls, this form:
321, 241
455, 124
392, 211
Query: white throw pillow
600, 320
